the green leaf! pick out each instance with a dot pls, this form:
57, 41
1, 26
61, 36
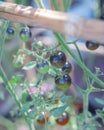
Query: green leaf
24, 96
29, 65
15, 80
100, 101
32, 114
91, 127
25, 108
100, 113
6, 124
56, 112
65, 98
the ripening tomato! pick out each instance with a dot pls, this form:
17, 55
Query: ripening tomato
58, 59
91, 45
10, 32
63, 119
25, 34
63, 83
42, 67
43, 118
78, 106
67, 67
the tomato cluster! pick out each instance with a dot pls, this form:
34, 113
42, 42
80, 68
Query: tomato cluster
24, 34
58, 60
62, 120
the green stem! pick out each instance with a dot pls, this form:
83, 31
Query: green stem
3, 36
67, 4
40, 3
30, 124
74, 124
79, 62
85, 104
13, 94
55, 5
80, 56
9, 87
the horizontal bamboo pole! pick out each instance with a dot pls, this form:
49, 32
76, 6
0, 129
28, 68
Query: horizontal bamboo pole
72, 25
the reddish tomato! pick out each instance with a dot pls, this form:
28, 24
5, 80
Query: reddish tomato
43, 118
78, 106
63, 119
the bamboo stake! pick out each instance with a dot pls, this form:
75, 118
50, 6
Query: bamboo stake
69, 24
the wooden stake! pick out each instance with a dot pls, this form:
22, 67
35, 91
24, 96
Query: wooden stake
88, 29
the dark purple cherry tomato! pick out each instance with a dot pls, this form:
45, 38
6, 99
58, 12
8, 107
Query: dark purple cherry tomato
67, 68
91, 45
42, 67
63, 119
63, 83
58, 59
10, 32
25, 34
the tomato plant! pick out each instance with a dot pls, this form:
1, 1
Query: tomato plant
48, 94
